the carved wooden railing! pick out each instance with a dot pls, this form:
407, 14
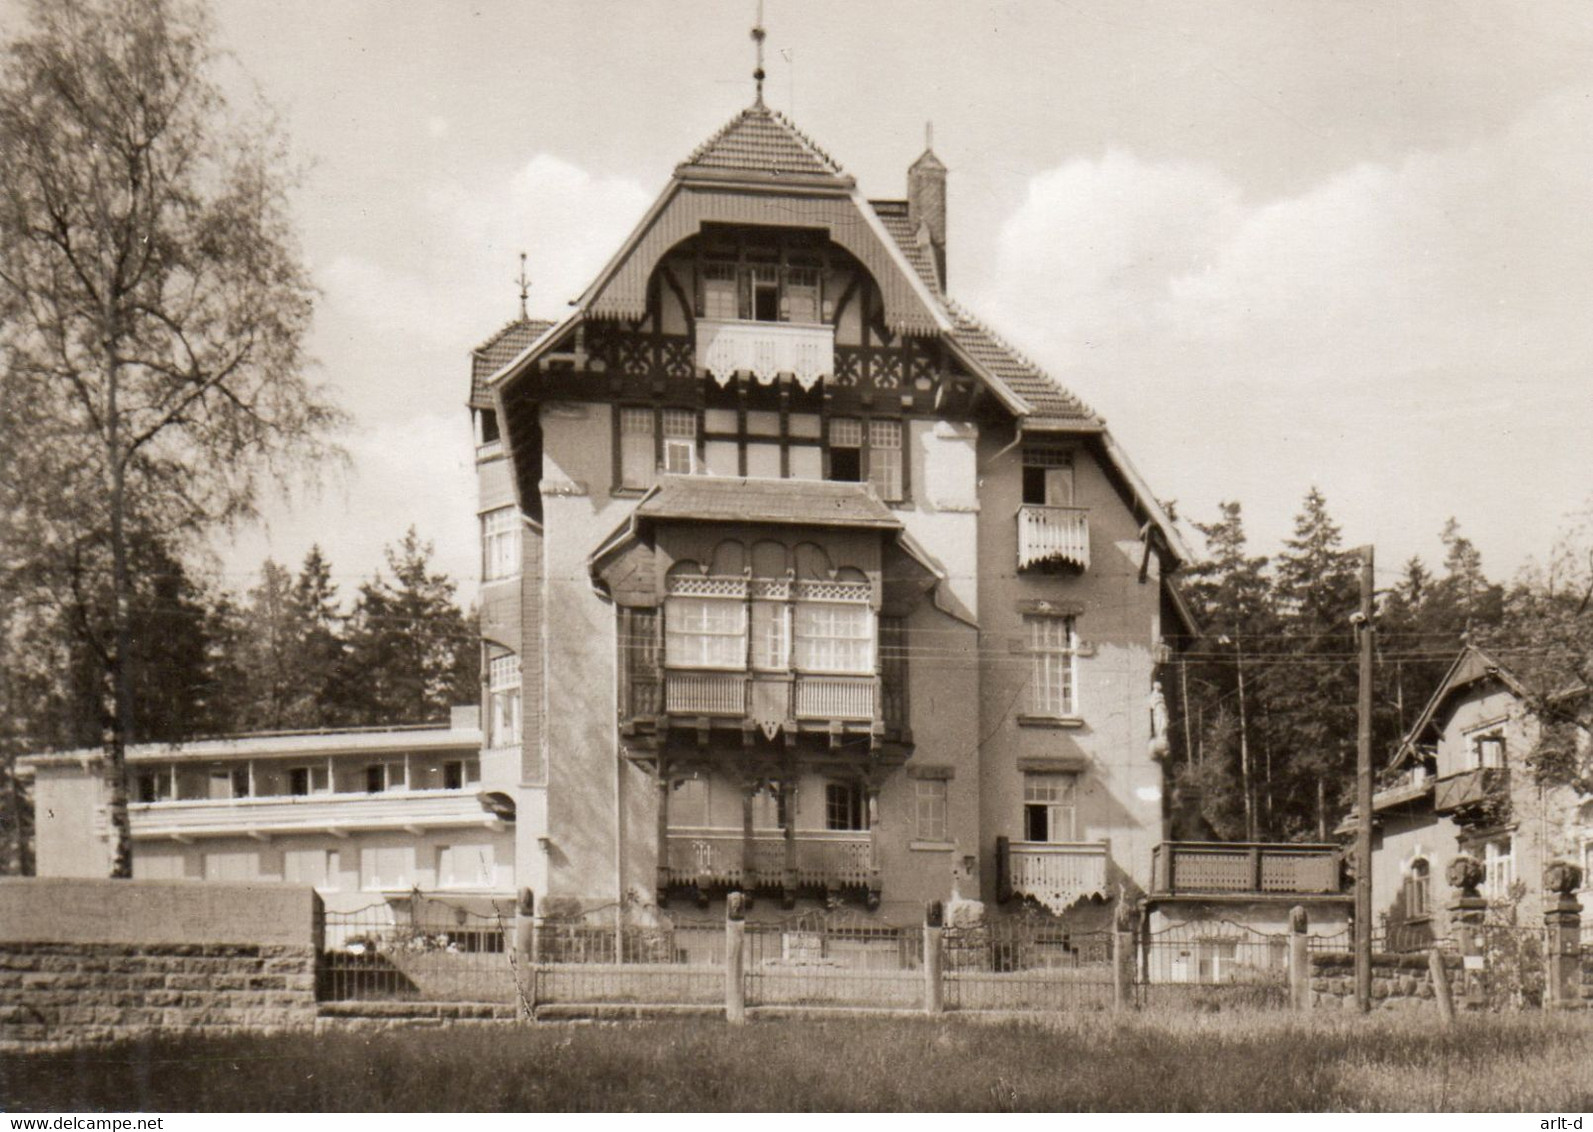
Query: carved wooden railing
1057, 874
1053, 534
1470, 787
712, 858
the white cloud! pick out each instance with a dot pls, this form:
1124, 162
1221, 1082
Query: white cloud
1395, 333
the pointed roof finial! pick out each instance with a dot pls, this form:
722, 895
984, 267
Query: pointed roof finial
929, 135
757, 38
525, 288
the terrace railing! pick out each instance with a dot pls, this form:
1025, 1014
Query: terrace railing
713, 858
1245, 868
1055, 874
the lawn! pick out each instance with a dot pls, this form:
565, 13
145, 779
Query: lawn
1186, 1061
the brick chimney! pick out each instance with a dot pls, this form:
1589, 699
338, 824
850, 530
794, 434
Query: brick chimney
926, 203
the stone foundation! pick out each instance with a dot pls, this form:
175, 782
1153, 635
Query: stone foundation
1399, 982
95, 960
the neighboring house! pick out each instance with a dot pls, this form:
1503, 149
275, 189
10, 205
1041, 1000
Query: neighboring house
361, 814
1460, 783
797, 579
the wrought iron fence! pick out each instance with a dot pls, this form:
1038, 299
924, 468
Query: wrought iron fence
1216, 961
1026, 964
419, 947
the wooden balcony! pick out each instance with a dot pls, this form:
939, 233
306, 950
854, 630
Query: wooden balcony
1053, 536
1471, 788
1057, 874
720, 859
765, 350
408, 810
1247, 869
803, 697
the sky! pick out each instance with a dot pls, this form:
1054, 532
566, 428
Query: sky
1276, 244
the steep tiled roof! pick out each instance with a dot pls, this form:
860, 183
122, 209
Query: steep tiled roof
1052, 403
497, 351
758, 140
893, 214
806, 502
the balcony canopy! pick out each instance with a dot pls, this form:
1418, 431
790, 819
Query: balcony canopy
807, 503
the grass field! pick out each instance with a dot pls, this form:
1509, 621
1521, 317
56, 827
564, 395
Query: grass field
1200, 1062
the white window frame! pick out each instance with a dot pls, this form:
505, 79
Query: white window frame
771, 636
930, 809
705, 633
500, 544
1481, 741
1058, 794
886, 455
850, 798
835, 638
1419, 889
638, 455
503, 702
1053, 666
680, 442
1498, 867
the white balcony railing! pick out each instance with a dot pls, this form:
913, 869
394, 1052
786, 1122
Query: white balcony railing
1053, 534
806, 351
835, 697
311, 813
706, 693
712, 857
1058, 875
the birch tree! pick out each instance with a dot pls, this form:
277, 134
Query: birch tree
156, 305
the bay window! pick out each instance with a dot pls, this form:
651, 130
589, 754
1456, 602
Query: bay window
771, 636
705, 632
835, 637
503, 701
500, 544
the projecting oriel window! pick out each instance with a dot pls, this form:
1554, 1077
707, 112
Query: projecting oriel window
503, 701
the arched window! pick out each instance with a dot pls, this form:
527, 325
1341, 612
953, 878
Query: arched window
1418, 889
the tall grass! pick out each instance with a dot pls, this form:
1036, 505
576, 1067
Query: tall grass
1201, 1062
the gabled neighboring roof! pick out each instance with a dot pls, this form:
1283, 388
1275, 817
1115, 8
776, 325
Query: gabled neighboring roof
497, 352
764, 143
746, 499
893, 214
1472, 666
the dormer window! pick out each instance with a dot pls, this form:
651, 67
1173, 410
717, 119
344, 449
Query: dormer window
773, 289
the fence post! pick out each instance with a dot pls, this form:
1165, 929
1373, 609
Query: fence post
1299, 959
525, 947
1122, 958
1562, 919
1466, 915
1440, 977
735, 960
934, 991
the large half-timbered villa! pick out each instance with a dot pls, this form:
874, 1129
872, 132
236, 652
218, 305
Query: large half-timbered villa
796, 579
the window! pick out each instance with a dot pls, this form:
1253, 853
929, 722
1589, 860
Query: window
387, 867
1049, 812
1418, 889
460, 773
885, 459
1499, 868
844, 807
229, 782
1047, 477
500, 544
309, 866
719, 300
764, 443
930, 808
1051, 690
638, 455
380, 777
680, 442
705, 632
304, 780
243, 865
1488, 750
154, 786
467, 865
503, 701
835, 637
846, 450
771, 636
765, 292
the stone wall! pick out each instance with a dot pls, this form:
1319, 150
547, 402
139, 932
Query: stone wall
92, 960
1399, 982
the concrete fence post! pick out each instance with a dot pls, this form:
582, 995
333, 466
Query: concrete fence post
1122, 967
1467, 913
735, 959
1299, 959
1440, 976
934, 989
525, 946
1562, 921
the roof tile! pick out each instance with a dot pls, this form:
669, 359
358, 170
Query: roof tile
759, 140
737, 499
497, 352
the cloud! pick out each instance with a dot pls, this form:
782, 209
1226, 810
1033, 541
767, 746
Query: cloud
1402, 326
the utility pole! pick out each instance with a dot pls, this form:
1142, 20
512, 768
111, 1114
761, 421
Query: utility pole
1363, 794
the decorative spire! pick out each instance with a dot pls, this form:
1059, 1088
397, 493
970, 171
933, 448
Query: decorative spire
757, 38
929, 136
525, 289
